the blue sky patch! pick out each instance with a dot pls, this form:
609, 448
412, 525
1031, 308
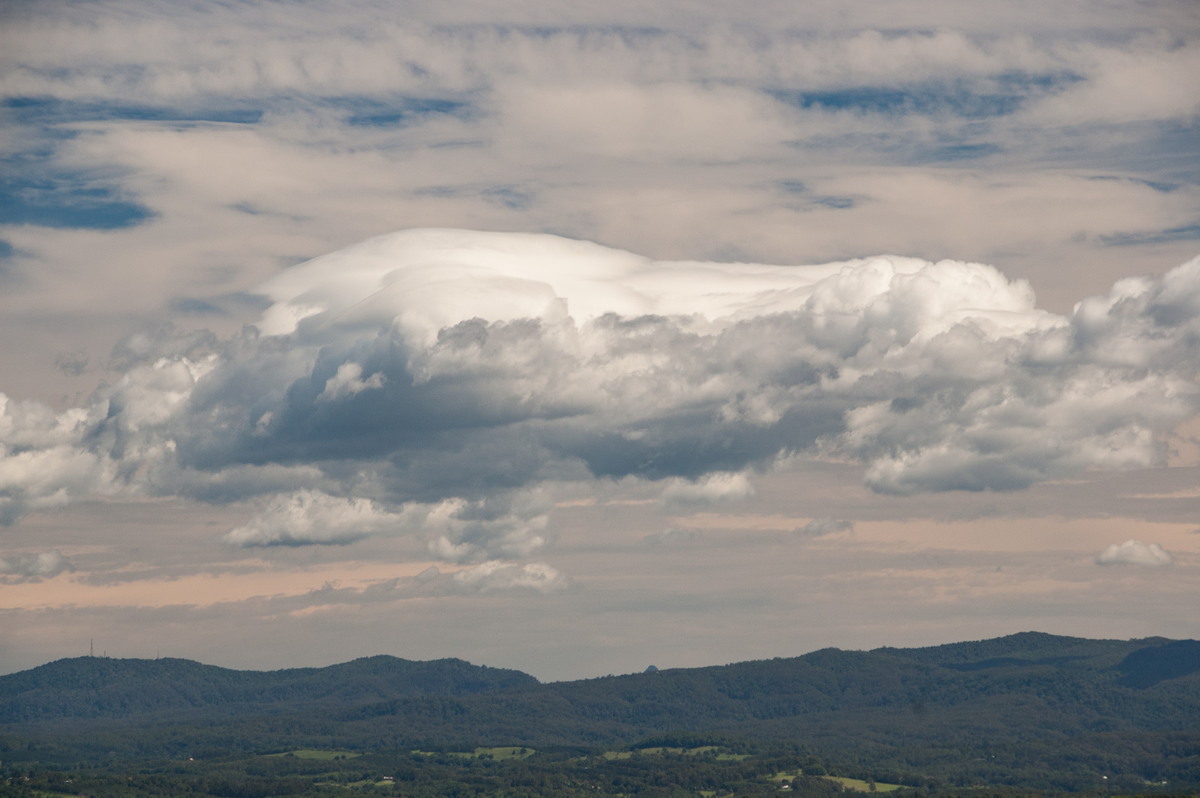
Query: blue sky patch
67, 203
196, 307
924, 100
998, 95
510, 197
958, 152
1188, 232
35, 192
403, 111
838, 203
797, 188
1159, 186
51, 111
246, 299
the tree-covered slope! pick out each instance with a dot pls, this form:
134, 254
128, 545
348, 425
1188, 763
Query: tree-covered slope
99, 687
1025, 709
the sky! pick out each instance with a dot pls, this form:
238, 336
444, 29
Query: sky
578, 337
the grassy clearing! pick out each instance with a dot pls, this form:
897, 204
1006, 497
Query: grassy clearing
316, 753
505, 752
494, 752
661, 751
858, 785
863, 786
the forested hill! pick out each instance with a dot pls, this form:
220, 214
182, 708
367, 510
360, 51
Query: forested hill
1105, 677
96, 687
1028, 708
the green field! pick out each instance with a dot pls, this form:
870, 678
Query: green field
316, 753
720, 754
499, 752
858, 785
863, 786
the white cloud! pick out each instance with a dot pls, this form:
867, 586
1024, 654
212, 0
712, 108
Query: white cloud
672, 536
358, 49
670, 139
307, 517
424, 397
505, 525
709, 489
349, 381
437, 378
824, 526
635, 123
44, 461
499, 362
1134, 552
497, 575
1145, 82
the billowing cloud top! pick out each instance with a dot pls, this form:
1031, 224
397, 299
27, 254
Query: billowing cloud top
1134, 552
430, 381
424, 281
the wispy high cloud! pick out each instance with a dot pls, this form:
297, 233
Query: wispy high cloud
910, 134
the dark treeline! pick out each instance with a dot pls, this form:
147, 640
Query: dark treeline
431, 774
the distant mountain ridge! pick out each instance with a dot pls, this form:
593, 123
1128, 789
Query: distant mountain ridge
96, 687
1008, 707
826, 679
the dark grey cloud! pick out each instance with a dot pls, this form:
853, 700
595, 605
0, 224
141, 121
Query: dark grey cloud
33, 567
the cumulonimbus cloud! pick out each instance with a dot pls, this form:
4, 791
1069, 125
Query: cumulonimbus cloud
430, 367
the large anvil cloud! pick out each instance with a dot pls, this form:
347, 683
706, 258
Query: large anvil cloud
432, 382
